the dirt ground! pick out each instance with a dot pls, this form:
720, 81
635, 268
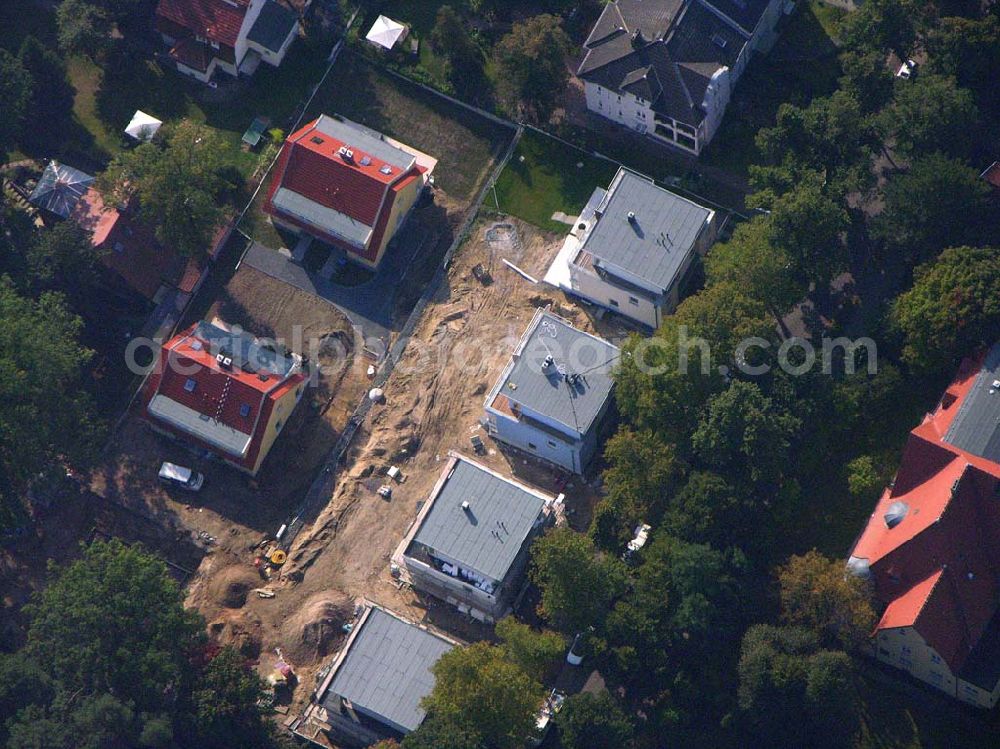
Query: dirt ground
433, 402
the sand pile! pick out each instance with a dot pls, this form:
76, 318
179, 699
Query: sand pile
230, 587
316, 628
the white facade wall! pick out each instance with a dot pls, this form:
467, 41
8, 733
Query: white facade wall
625, 109
589, 285
249, 19
198, 75
526, 437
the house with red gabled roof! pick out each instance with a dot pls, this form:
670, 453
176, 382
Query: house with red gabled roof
132, 256
346, 185
225, 391
932, 547
229, 35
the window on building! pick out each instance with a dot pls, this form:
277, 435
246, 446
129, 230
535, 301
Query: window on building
215, 45
633, 301
935, 658
277, 426
190, 385
551, 443
532, 446
613, 302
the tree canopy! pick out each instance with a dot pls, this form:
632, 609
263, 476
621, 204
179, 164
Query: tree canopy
531, 67
16, 91
84, 28
952, 309
479, 688
594, 721
177, 182
930, 113
578, 584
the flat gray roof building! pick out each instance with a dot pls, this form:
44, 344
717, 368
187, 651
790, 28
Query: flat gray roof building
488, 534
385, 670
574, 386
645, 230
976, 426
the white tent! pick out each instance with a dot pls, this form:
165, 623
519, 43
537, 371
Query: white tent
143, 126
385, 32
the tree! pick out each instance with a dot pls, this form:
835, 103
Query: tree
866, 78
937, 203
832, 137
478, 687
63, 258
745, 434
225, 704
709, 510
952, 309
864, 479
531, 67
931, 113
578, 584
445, 731
15, 99
793, 694
594, 721
177, 182
817, 594
83, 28
114, 622
39, 431
536, 652
643, 472
761, 269
450, 38
807, 224
883, 26
51, 101
969, 50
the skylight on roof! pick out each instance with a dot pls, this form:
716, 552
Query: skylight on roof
190, 385
386, 169
719, 41
245, 410
366, 160
316, 139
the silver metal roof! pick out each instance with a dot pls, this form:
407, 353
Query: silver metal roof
488, 536
366, 140
219, 435
655, 243
60, 188
976, 427
573, 402
387, 670
245, 350
325, 219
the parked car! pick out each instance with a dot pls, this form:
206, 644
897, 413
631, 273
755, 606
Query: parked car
175, 475
575, 656
906, 70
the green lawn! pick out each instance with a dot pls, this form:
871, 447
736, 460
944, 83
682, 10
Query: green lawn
802, 65
545, 176
464, 143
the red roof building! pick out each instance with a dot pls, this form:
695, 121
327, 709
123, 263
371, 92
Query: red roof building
932, 546
346, 186
206, 34
225, 391
131, 252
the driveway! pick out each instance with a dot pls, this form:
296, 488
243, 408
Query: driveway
368, 305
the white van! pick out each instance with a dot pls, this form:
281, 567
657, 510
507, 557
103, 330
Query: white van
170, 473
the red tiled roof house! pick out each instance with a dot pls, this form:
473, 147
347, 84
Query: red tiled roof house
932, 546
133, 256
347, 186
230, 35
224, 391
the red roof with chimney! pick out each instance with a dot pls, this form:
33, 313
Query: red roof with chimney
216, 20
239, 396
324, 164
932, 545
